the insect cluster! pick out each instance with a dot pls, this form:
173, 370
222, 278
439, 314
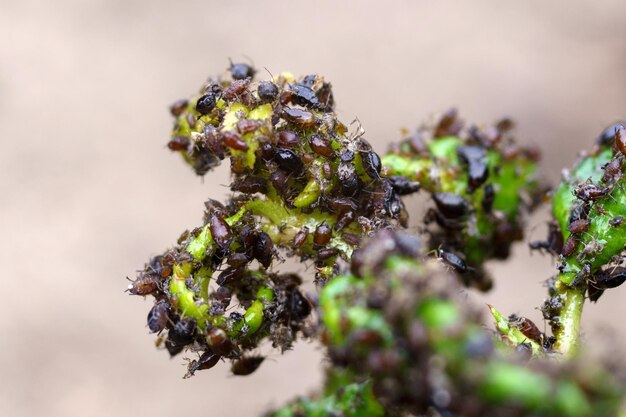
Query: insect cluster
400, 337
482, 184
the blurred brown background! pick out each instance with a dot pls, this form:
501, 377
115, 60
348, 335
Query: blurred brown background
89, 192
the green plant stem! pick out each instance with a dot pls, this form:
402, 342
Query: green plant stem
568, 331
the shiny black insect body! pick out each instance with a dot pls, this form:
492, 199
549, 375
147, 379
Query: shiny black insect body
247, 365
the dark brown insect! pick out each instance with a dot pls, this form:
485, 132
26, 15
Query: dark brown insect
183, 332
554, 243
178, 107
322, 234
607, 137
280, 182
219, 342
449, 125
191, 120
230, 275
580, 212
158, 316
527, 327
300, 237
578, 226
234, 141
616, 221
241, 71
371, 163
588, 191
206, 361
610, 278
344, 220
267, 151
179, 143
326, 253
346, 156
403, 186
321, 146
250, 184
267, 91
247, 126
450, 205
223, 295
146, 284
524, 350
288, 161
287, 139
304, 96
220, 230
299, 306
454, 261
351, 239
298, 117
612, 171
264, 249
570, 245
247, 365
236, 89
206, 103
475, 158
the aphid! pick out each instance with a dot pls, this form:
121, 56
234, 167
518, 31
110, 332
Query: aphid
287, 139
241, 71
450, 205
327, 170
298, 116
607, 137
280, 182
247, 365
612, 171
570, 246
304, 96
206, 361
236, 89
321, 146
219, 342
403, 186
250, 184
348, 179
173, 348
590, 192
206, 103
267, 151
223, 295
616, 221
183, 332
341, 204
489, 196
344, 220
179, 143
578, 226
247, 126
610, 278
591, 248
351, 239
449, 125
300, 237
191, 120
454, 261
267, 91
264, 249
322, 234
299, 306
579, 212
229, 275
288, 160
178, 107
554, 243
527, 327
371, 164
220, 230
146, 284
326, 253
476, 159
158, 316
234, 141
